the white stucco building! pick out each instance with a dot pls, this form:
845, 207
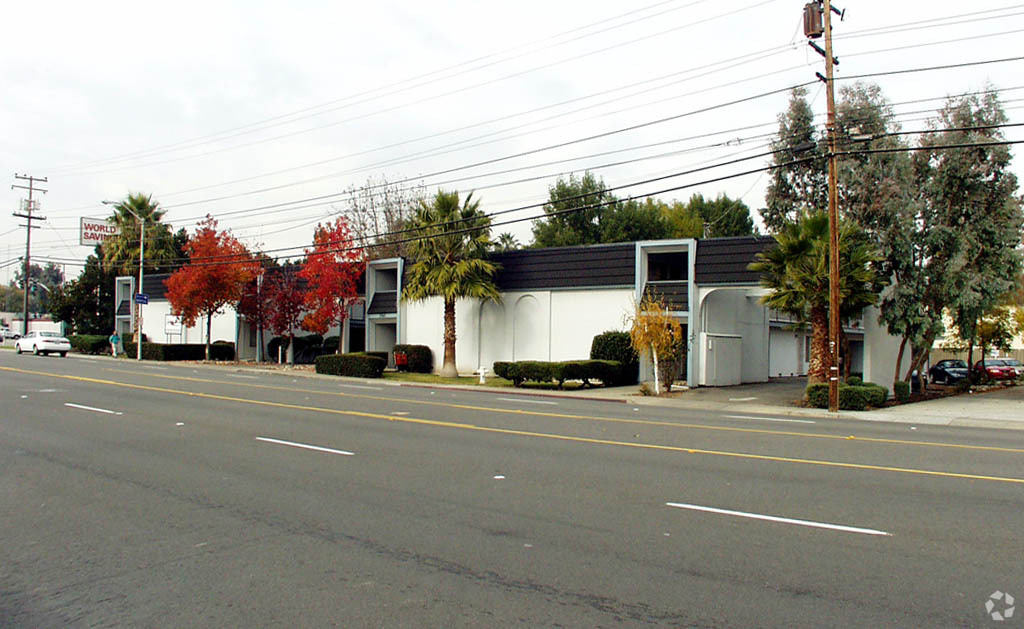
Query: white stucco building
554, 301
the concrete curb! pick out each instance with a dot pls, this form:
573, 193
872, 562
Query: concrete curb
932, 412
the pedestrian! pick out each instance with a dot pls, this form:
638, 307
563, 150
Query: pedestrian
115, 340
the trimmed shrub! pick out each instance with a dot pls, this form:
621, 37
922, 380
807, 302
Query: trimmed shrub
381, 355
90, 343
607, 371
182, 351
618, 347
536, 370
414, 358
877, 394
854, 381
817, 395
901, 390
357, 365
508, 371
853, 398
331, 343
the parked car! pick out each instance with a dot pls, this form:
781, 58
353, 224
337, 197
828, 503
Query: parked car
994, 369
948, 371
1013, 362
43, 343
7, 333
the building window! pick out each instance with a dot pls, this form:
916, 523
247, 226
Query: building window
667, 267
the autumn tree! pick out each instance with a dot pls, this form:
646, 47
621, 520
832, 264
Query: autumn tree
251, 304
285, 303
219, 268
331, 271
658, 335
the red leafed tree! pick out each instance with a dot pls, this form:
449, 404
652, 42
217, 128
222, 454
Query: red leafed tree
332, 269
251, 305
285, 303
219, 268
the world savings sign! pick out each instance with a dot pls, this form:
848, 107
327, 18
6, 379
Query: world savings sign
95, 230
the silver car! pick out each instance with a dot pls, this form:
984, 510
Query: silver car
43, 343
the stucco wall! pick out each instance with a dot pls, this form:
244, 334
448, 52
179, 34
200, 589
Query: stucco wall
534, 325
734, 311
880, 351
222, 327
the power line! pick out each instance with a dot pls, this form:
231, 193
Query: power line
492, 81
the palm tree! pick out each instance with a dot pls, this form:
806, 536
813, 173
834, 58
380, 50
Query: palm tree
448, 260
122, 250
796, 271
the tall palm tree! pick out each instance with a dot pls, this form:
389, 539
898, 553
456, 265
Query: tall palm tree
122, 251
448, 260
796, 271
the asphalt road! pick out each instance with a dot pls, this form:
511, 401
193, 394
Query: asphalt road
161, 495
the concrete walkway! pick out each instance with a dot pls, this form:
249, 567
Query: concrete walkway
1001, 408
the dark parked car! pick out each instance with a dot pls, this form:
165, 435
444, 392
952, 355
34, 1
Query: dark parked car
948, 371
995, 369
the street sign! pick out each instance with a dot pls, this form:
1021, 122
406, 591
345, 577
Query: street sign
141, 298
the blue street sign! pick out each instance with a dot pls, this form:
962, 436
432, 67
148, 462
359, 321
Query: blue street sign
141, 298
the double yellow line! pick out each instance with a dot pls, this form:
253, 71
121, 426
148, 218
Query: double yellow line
542, 435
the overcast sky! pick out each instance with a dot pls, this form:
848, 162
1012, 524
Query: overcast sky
225, 107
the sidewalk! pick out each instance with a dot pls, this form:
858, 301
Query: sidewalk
1003, 408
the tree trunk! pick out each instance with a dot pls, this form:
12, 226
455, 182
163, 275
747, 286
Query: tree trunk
899, 361
291, 349
209, 321
657, 376
448, 369
817, 370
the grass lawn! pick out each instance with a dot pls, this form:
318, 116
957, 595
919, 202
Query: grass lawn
430, 378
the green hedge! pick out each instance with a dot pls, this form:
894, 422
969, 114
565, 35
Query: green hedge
417, 358
330, 344
617, 346
855, 381
358, 365
381, 355
181, 351
607, 371
90, 343
851, 397
901, 390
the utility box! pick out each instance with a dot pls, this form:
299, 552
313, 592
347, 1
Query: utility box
721, 356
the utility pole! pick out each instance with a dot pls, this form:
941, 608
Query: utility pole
818, 21
28, 208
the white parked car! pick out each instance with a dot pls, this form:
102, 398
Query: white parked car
43, 343
7, 333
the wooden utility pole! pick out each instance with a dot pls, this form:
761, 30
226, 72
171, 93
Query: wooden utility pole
818, 22
833, 223
28, 208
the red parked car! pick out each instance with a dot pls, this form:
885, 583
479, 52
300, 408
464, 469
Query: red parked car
995, 369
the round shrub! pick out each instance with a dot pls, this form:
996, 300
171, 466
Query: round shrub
415, 358
617, 346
